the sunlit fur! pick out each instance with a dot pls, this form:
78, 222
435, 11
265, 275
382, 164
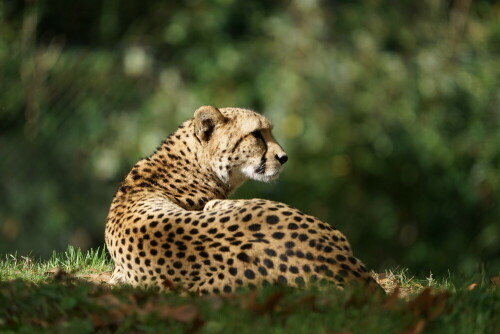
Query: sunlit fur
171, 221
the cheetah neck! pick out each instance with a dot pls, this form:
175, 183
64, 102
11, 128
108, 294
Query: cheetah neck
174, 170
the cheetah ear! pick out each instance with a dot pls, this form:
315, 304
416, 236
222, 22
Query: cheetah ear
205, 120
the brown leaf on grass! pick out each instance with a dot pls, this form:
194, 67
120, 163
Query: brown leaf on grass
183, 313
392, 299
428, 304
366, 295
416, 328
306, 301
268, 306
108, 299
115, 311
271, 302
425, 307
249, 301
494, 280
116, 308
198, 322
98, 321
354, 301
187, 313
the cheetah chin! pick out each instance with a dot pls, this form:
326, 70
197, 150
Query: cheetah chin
254, 174
171, 222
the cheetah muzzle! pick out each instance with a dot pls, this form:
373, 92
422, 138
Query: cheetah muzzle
170, 220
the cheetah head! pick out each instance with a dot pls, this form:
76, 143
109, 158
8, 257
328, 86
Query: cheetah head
238, 145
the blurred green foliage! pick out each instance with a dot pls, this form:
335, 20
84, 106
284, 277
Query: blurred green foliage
389, 111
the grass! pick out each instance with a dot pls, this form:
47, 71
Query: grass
71, 261
64, 295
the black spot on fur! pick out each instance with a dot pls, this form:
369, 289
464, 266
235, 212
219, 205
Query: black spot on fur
243, 257
249, 274
233, 228
254, 227
268, 263
278, 235
247, 218
272, 219
340, 258
270, 252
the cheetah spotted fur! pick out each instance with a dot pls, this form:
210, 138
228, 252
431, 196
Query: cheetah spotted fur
170, 220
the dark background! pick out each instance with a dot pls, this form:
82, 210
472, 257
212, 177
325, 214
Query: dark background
389, 111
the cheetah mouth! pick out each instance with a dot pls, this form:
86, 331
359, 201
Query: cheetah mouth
260, 169
266, 177
261, 173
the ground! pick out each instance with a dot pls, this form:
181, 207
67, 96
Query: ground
67, 294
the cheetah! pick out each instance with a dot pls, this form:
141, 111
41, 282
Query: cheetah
171, 221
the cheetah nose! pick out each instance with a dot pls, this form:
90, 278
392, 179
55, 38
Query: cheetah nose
282, 159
